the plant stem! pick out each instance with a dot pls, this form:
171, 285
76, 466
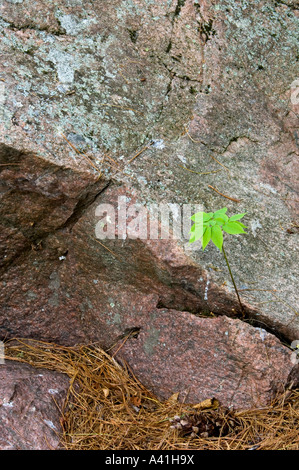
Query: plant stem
232, 278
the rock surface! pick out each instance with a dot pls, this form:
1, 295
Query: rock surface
208, 357
151, 94
30, 399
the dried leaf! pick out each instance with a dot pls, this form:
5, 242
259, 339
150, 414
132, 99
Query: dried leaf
209, 403
173, 398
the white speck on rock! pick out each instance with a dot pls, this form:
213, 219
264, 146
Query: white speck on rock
269, 187
7, 404
206, 290
263, 333
182, 158
158, 144
255, 224
50, 424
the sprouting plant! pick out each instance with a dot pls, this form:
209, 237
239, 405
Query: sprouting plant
210, 227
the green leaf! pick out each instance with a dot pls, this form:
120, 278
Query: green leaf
217, 236
196, 226
206, 237
233, 228
201, 217
197, 231
192, 238
220, 212
197, 216
237, 217
222, 219
242, 225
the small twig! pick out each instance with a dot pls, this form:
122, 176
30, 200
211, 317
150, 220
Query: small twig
272, 291
121, 345
9, 164
127, 81
110, 158
281, 225
100, 169
80, 153
139, 153
110, 251
119, 169
263, 290
286, 303
125, 339
227, 197
191, 138
221, 164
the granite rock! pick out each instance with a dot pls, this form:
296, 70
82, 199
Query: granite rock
30, 399
175, 102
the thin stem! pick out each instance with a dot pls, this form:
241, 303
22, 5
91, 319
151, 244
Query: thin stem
232, 278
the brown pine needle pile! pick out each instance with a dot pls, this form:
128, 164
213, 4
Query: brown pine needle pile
108, 409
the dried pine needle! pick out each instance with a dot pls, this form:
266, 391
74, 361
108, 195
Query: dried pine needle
108, 409
221, 194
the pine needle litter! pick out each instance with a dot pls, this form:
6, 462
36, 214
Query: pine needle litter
107, 408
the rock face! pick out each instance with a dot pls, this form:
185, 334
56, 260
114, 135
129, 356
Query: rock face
29, 407
174, 353
174, 102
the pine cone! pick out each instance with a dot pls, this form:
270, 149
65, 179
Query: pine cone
204, 424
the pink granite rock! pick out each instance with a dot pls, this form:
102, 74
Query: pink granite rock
30, 400
202, 358
194, 103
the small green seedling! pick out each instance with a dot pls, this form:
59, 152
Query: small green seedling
210, 227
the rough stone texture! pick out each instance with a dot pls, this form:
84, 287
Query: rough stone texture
174, 353
200, 80
38, 198
105, 288
30, 399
